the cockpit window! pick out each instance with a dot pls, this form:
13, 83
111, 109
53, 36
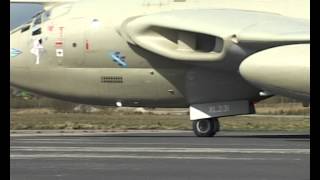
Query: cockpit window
25, 28
36, 28
37, 20
36, 32
40, 17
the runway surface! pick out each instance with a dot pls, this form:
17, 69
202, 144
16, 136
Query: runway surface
160, 155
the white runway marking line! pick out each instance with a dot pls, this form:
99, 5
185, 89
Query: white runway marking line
88, 142
159, 150
87, 156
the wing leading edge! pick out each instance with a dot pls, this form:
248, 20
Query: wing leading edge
209, 34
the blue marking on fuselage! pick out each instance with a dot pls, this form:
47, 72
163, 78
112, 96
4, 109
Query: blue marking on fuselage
119, 59
14, 52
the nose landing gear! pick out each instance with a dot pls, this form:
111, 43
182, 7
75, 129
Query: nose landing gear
206, 127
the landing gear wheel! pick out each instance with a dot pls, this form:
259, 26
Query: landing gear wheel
206, 127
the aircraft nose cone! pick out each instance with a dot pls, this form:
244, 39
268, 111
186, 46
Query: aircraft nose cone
18, 55
14, 54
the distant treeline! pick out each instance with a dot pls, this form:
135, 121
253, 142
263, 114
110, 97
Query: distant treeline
24, 99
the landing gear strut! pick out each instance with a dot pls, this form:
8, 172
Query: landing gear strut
206, 127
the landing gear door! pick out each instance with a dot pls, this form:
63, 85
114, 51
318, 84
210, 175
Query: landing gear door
220, 109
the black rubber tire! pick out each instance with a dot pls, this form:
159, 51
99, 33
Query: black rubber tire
206, 127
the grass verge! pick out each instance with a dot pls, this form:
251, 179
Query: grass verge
111, 122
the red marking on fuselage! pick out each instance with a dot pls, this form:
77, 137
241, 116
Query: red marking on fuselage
50, 28
59, 43
87, 45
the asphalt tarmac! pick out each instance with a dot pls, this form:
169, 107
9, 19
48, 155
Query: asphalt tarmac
160, 155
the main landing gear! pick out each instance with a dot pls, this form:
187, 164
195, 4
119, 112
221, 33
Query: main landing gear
206, 127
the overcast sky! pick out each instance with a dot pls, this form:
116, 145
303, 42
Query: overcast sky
20, 13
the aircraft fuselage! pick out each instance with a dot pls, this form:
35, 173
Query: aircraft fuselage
84, 58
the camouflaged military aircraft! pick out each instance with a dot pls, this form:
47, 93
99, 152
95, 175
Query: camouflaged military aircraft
216, 57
